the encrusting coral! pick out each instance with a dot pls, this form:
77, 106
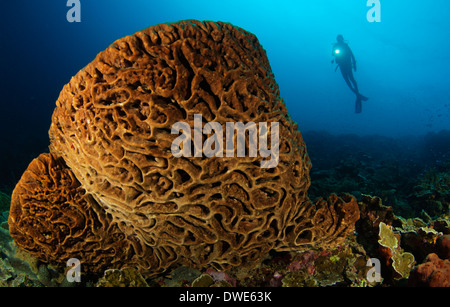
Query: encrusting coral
112, 193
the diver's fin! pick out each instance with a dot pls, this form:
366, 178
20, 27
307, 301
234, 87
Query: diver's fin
363, 98
358, 104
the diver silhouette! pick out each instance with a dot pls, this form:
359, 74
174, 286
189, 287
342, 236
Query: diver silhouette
346, 61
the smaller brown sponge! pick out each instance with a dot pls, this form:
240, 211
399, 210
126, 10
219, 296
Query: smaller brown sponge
52, 217
434, 272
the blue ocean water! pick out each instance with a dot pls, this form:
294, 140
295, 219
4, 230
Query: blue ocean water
401, 60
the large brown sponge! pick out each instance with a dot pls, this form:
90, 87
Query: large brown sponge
111, 163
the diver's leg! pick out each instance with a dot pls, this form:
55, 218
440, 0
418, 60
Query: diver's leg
353, 81
345, 75
355, 87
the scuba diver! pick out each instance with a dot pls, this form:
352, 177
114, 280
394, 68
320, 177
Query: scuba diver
346, 61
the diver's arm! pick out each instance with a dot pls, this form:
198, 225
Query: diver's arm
333, 53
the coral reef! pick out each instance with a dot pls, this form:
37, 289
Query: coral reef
421, 238
178, 277
204, 280
410, 174
399, 242
111, 192
344, 266
330, 268
20, 269
432, 193
443, 246
126, 277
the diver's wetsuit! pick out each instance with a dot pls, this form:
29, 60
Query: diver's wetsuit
346, 61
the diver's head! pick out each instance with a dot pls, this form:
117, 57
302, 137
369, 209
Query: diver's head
340, 38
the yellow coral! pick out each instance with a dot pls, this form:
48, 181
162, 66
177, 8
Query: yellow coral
387, 237
402, 262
